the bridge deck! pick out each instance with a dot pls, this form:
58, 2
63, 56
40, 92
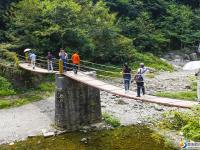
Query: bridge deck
81, 77
28, 67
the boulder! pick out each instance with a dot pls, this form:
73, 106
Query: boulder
193, 56
186, 57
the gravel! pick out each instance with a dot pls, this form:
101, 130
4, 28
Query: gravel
30, 120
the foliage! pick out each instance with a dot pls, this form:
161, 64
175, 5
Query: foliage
89, 27
6, 87
25, 96
123, 138
149, 60
109, 119
185, 95
158, 26
187, 122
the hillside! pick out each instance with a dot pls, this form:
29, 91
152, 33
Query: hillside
111, 31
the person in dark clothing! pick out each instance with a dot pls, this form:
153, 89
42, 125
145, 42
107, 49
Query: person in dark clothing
50, 61
139, 78
126, 77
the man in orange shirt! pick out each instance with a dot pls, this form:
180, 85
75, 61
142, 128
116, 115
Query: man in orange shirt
76, 62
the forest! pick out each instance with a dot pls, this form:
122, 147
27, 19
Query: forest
109, 31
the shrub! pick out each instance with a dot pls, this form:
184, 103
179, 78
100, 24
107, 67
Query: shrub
187, 122
111, 120
6, 87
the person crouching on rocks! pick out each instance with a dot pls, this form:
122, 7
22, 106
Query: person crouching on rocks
139, 78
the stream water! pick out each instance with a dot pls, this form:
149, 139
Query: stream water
123, 138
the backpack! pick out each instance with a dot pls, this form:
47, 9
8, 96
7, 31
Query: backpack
138, 77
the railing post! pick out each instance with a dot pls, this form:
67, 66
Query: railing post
60, 66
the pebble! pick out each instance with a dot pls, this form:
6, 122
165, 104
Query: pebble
12, 143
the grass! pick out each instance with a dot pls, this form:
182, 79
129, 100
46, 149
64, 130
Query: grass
150, 75
111, 120
184, 95
187, 122
25, 96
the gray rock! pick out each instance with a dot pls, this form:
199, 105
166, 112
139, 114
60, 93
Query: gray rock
48, 134
193, 56
84, 140
158, 107
12, 143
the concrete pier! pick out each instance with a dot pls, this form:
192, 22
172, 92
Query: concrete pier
76, 104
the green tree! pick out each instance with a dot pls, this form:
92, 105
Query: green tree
177, 26
51, 24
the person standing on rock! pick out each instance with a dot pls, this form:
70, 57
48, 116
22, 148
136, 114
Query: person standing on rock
198, 85
126, 77
139, 78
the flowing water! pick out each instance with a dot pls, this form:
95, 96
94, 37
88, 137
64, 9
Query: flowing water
123, 138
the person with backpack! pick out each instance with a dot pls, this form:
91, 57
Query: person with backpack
139, 78
76, 62
64, 57
126, 77
50, 61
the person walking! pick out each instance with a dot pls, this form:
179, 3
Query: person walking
139, 78
126, 77
50, 61
76, 62
33, 60
64, 57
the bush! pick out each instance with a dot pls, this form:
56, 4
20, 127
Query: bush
111, 120
6, 87
151, 61
187, 122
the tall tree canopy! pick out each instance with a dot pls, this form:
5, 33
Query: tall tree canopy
51, 24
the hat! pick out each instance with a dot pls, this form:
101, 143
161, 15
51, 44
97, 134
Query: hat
142, 64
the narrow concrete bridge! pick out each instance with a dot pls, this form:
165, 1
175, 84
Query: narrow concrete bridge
78, 98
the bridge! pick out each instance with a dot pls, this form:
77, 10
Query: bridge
78, 96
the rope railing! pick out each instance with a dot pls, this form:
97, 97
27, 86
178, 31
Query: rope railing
42, 62
110, 67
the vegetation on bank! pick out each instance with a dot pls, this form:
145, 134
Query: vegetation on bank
123, 138
190, 94
100, 30
111, 120
187, 122
12, 97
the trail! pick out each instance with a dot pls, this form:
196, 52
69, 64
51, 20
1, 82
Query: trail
21, 122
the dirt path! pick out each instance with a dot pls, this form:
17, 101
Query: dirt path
21, 122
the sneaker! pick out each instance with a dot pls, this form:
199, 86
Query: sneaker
137, 96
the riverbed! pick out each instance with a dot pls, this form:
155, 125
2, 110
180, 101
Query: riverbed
123, 138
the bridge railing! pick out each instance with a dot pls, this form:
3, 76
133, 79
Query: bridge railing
102, 71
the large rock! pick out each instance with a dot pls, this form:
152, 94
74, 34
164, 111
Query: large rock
193, 56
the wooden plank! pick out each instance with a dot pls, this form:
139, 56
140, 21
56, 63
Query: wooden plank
91, 81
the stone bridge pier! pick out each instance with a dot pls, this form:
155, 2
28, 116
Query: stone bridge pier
76, 104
